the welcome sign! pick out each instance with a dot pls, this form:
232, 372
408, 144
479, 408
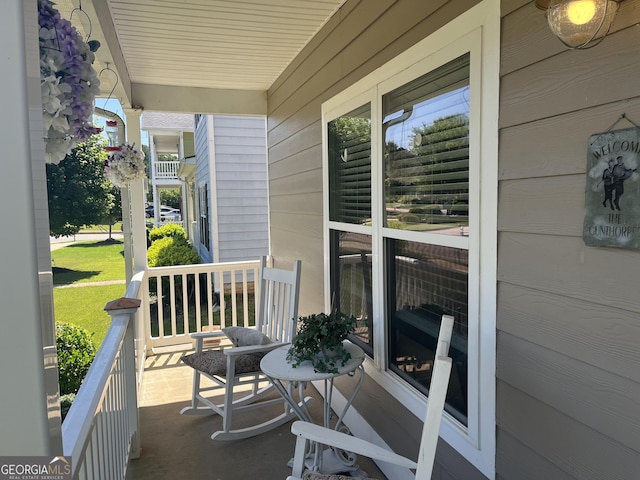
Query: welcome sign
612, 196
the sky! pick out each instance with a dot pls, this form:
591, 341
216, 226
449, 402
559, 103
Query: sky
114, 106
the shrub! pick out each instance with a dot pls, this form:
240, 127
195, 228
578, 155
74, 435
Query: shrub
170, 230
156, 247
75, 354
169, 251
177, 253
65, 403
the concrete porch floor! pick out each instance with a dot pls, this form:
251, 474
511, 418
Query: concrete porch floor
175, 446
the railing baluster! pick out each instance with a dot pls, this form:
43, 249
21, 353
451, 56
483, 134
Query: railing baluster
209, 300
185, 304
198, 313
234, 303
160, 304
172, 304
245, 299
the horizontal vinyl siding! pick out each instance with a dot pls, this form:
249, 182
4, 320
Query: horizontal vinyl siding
568, 369
362, 36
241, 187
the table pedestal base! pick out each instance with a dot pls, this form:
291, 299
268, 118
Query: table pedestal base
333, 463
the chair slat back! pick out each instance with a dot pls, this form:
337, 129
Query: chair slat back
278, 297
437, 396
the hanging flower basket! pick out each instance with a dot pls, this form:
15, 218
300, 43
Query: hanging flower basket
68, 81
125, 166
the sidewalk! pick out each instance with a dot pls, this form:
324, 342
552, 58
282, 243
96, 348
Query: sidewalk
62, 242
92, 284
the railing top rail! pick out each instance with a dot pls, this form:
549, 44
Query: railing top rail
134, 286
205, 267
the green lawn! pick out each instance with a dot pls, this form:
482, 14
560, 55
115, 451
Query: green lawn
83, 306
88, 262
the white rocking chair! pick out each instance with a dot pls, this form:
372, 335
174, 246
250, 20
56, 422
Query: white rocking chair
308, 432
277, 314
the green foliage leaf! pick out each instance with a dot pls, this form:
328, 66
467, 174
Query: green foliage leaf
319, 340
75, 354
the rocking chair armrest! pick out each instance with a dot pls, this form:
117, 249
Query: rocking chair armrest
208, 334
252, 349
200, 337
333, 438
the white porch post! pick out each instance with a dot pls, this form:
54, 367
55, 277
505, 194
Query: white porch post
154, 187
139, 244
23, 396
136, 195
127, 233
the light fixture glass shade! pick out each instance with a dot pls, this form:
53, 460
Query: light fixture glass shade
581, 23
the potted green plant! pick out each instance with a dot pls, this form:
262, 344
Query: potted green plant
319, 340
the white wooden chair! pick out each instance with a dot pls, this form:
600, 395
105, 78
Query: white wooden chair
308, 432
239, 366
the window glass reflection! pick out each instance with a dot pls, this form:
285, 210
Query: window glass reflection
426, 152
349, 151
351, 282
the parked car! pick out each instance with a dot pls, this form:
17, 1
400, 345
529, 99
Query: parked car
168, 214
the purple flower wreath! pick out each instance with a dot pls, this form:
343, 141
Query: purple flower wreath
69, 83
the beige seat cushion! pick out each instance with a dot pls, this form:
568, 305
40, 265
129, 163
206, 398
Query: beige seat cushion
245, 337
214, 362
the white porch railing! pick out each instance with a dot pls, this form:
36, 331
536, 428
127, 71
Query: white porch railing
100, 431
191, 298
165, 169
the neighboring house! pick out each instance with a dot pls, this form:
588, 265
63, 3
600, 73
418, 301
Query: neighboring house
547, 373
231, 188
170, 134
220, 168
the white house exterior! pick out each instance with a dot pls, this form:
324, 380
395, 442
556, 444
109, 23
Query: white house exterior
231, 188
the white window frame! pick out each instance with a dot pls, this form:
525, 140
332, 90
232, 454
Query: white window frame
476, 31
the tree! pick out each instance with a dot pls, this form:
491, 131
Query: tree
171, 198
78, 192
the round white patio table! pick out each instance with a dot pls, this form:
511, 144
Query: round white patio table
285, 378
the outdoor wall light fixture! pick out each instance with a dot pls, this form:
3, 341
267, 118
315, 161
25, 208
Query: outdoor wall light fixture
579, 24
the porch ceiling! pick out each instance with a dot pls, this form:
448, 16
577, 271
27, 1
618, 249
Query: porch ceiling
196, 56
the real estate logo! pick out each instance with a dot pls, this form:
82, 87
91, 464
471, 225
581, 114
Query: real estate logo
35, 468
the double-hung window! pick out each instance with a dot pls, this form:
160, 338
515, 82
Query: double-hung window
203, 210
410, 179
